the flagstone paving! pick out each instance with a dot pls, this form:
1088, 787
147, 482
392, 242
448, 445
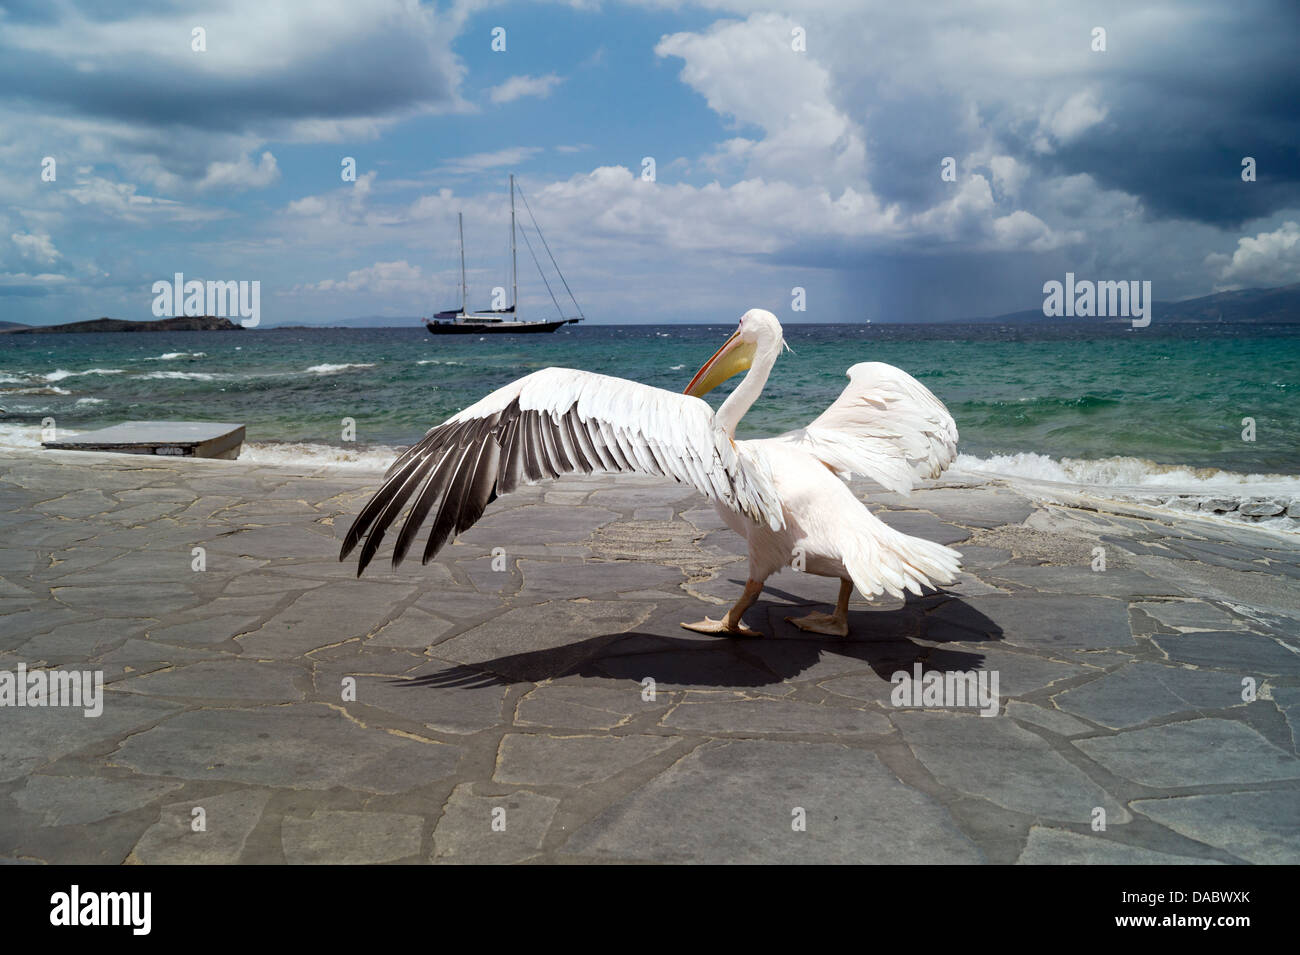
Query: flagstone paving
530, 696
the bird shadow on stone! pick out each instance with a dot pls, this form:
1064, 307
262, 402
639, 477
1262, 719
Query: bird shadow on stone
886, 640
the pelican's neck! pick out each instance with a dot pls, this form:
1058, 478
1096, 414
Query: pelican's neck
747, 392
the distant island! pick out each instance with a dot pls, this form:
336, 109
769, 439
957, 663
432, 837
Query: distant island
186, 323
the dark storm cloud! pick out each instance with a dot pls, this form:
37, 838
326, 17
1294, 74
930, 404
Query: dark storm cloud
1187, 90
1179, 127
324, 87
312, 63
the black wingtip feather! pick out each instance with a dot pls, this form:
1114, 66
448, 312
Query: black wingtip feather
465, 466
377, 508
433, 488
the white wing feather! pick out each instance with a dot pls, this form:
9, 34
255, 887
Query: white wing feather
885, 426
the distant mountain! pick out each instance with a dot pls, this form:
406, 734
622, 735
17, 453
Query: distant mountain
186, 323
4, 326
383, 321
1250, 306
1281, 304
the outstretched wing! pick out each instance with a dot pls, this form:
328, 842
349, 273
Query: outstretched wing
557, 421
886, 426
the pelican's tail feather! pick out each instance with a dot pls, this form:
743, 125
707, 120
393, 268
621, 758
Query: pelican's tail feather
881, 559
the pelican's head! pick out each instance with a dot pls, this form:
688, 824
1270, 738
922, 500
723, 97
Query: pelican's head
758, 332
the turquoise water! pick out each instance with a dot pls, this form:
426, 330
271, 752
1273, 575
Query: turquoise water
1172, 396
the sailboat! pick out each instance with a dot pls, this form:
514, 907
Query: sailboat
462, 321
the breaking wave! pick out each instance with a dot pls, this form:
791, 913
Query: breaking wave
63, 373
1267, 499
1119, 471
184, 375
328, 369
372, 458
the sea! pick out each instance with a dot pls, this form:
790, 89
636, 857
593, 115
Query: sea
1209, 407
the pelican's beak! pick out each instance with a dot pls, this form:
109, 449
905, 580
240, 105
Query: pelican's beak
732, 358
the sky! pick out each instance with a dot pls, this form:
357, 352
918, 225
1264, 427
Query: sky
794, 146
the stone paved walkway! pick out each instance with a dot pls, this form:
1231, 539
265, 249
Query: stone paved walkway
515, 689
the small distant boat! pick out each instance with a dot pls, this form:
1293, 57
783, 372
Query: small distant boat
461, 321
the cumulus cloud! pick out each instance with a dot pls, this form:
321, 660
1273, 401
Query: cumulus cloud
124, 202
242, 174
37, 248
1022, 230
809, 139
1269, 258
382, 278
1068, 121
517, 87
1008, 175
348, 205
25, 284
748, 72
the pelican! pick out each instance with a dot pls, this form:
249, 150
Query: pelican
787, 496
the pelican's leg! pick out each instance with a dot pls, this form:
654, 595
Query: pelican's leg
835, 624
732, 623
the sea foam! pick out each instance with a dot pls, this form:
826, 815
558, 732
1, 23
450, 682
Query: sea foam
183, 375
1124, 472
328, 369
63, 373
296, 454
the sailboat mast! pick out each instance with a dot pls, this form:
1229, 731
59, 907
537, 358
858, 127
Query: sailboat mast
460, 228
514, 264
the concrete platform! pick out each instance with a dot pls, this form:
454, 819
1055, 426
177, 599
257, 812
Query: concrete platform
315, 717
186, 439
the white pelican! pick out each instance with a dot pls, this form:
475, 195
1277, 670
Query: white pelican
786, 496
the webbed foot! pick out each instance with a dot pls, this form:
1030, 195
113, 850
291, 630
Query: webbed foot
826, 623
721, 628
